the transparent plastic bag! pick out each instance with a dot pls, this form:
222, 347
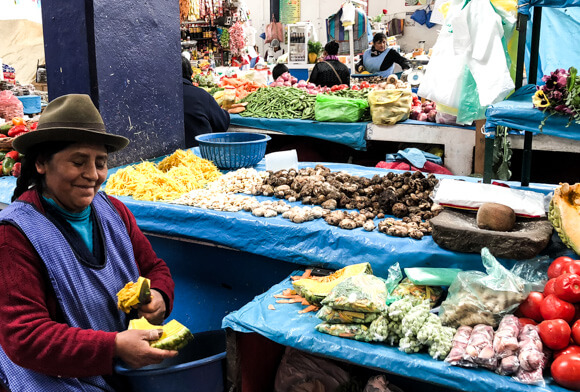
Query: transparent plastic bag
359, 293
10, 106
348, 331
418, 293
336, 316
339, 109
483, 298
388, 107
395, 275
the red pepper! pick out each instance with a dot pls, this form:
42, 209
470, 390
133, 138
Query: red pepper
567, 287
34, 126
2, 135
13, 154
17, 130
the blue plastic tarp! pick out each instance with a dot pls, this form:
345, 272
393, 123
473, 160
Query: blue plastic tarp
525, 5
313, 243
350, 134
558, 25
284, 325
518, 113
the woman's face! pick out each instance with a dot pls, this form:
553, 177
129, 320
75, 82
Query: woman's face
73, 176
380, 45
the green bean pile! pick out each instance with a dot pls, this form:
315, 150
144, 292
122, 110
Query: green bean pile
291, 103
280, 102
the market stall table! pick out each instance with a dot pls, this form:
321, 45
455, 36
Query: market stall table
458, 141
284, 325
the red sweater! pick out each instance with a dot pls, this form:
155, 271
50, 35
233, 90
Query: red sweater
32, 331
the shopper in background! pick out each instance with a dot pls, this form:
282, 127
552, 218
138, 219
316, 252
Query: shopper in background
66, 249
330, 71
380, 59
278, 70
202, 114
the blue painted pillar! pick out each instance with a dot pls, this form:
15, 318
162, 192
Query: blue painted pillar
126, 55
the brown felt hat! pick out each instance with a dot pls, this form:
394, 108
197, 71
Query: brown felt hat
70, 118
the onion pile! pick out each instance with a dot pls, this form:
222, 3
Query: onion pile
287, 80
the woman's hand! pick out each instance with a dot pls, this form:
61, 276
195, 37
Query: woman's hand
132, 346
154, 311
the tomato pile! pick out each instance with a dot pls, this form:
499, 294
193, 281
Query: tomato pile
557, 310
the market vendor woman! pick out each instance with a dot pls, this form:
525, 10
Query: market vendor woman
66, 249
330, 71
381, 60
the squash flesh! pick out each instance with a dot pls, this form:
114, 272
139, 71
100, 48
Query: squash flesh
315, 289
564, 214
133, 294
175, 335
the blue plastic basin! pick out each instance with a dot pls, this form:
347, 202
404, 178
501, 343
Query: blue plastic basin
199, 367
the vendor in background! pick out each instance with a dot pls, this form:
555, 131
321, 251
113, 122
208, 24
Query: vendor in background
273, 52
330, 71
380, 59
66, 249
202, 114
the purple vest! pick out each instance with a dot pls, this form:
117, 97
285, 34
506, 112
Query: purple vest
86, 295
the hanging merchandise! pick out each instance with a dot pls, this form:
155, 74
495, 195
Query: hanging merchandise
237, 39
275, 30
469, 68
335, 31
184, 7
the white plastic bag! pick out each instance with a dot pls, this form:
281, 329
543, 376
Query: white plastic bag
471, 195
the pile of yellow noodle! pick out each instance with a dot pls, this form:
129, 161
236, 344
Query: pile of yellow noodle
175, 175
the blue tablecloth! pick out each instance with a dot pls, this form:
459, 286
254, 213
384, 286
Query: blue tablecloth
350, 134
313, 243
286, 326
518, 113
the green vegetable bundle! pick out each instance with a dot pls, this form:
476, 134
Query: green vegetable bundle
280, 102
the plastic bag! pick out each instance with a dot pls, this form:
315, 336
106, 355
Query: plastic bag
390, 106
335, 316
298, 369
418, 293
339, 109
483, 298
10, 106
471, 195
479, 350
459, 343
359, 293
393, 278
274, 30
349, 331
533, 271
531, 356
432, 276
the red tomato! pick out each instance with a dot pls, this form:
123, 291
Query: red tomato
553, 307
576, 331
571, 349
567, 287
555, 333
549, 287
355, 87
557, 265
525, 320
572, 268
364, 84
530, 308
342, 86
566, 371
